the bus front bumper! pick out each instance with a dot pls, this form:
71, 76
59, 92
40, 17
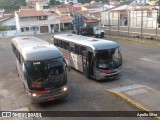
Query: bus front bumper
103, 76
49, 96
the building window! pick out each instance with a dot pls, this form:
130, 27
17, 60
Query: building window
35, 28
22, 29
27, 28
42, 18
149, 13
45, 7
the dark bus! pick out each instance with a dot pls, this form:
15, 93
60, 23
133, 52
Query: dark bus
41, 67
96, 58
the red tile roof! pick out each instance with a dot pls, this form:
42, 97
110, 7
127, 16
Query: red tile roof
24, 7
73, 8
80, 12
92, 6
96, 15
30, 13
65, 17
6, 17
90, 20
63, 10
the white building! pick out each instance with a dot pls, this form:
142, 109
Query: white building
42, 6
68, 1
137, 17
1, 12
140, 2
30, 21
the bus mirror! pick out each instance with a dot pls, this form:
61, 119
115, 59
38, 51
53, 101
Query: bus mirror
24, 69
67, 63
68, 66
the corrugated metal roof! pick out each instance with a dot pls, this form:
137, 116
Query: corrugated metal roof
124, 7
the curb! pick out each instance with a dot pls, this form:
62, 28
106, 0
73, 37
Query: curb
123, 97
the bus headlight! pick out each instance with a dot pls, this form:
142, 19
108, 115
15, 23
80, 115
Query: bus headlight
34, 95
64, 88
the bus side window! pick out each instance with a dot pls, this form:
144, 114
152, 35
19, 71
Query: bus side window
60, 43
84, 53
77, 49
55, 42
63, 44
82, 50
72, 49
67, 45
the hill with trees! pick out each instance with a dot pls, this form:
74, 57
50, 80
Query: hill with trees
11, 5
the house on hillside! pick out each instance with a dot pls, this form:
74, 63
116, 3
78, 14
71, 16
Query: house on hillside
66, 22
115, 16
144, 16
8, 20
92, 8
62, 11
96, 15
2, 12
42, 6
91, 22
139, 2
68, 1
134, 16
65, 18
32, 3
31, 21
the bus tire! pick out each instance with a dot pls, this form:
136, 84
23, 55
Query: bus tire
102, 35
17, 71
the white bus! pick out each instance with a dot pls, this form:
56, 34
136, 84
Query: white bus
96, 58
41, 67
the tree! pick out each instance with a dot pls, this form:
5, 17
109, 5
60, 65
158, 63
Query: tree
52, 2
158, 13
11, 5
3, 28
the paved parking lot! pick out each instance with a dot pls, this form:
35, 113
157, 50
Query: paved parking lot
141, 66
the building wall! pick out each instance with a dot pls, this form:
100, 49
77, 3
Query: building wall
33, 25
11, 23
17, 21
139, 18
140, 2
143, 18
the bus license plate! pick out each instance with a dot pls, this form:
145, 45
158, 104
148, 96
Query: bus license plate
51, 98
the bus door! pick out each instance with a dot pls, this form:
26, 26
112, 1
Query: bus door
90, 63
84, 63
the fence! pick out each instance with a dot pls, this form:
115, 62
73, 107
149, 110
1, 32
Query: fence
10, 33
142, 23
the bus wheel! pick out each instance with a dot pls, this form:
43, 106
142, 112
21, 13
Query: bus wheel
102, 35
17, 71
96, 36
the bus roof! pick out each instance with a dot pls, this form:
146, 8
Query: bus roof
33, 48
94, 43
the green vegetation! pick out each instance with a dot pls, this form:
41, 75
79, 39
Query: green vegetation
3, 28
52, 2
158, 15
11, 5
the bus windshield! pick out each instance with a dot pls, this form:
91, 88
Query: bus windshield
45, 74
108, 59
